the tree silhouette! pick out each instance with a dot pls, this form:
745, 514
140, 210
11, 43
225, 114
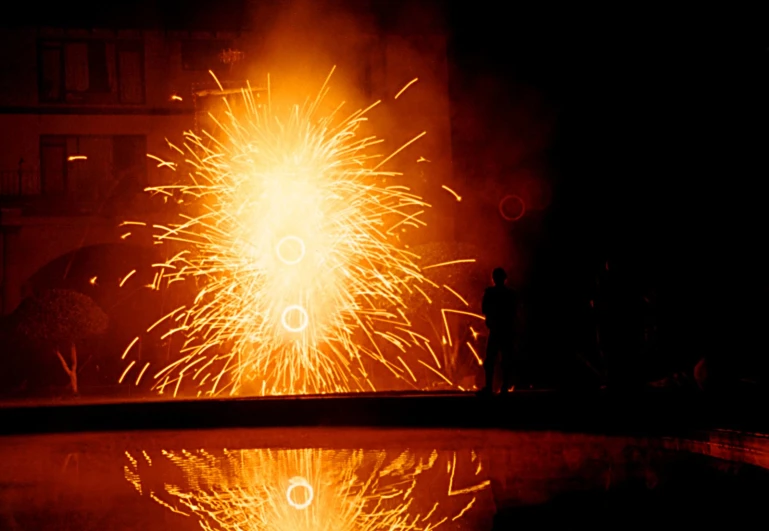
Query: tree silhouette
59, 318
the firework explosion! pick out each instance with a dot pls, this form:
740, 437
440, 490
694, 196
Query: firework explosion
321, 490
293, 244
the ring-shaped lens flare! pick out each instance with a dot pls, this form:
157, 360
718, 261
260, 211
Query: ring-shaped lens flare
281, 251
295, 482
304, 319
512, 198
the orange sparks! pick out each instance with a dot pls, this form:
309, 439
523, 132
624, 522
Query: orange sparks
138, 379
460, 312
463, 511
125, 353
294, 216
401, 91
404, 146
444, 311
76, 157
407, 369
436, 372
466, 490
457, 295
446, 324
92, 281
452, 192
442, 264
125, 278
162, 163
124, 236
477, 357
125, 372
176, 97
432, 352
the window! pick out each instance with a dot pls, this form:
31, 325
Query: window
91, 168
91, 72
204, 54
129, 159
53, 165
130, 62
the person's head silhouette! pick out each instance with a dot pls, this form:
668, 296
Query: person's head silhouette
499, 276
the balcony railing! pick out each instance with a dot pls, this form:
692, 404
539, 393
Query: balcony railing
19, 183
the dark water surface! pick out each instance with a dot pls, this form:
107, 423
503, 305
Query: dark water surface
368, 479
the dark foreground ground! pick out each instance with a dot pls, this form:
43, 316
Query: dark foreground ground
641, 413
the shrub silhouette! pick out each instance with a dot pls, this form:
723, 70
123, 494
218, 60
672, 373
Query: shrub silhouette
58, 319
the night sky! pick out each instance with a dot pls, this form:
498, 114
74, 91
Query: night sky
658, 122
654, 164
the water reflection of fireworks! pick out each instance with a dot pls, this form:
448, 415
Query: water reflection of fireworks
310, 489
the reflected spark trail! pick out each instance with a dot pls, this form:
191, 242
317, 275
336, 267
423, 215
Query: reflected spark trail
309, 489
290, 239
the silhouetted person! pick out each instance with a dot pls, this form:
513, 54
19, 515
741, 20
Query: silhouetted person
499, 307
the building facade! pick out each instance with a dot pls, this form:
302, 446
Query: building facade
80, 110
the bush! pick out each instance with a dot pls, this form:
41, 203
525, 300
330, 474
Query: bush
58, 319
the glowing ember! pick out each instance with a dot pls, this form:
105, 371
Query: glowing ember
452, 192
292, 241
287, 490
401, 91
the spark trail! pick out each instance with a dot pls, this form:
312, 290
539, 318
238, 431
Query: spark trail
291, 237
